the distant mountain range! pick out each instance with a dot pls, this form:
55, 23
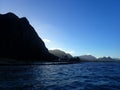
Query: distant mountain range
60, 53
87, 58
93, 58
107, 59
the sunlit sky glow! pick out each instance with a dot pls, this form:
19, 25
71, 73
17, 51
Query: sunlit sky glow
75, 26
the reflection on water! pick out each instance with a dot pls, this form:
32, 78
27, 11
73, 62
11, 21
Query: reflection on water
83, 76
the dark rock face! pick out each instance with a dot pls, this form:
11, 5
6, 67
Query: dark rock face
18, 40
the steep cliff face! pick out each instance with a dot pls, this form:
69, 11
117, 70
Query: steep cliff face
18, 40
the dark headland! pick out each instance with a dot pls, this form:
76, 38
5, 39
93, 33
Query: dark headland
20, 42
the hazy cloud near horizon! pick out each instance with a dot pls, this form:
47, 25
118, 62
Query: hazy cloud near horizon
46, 40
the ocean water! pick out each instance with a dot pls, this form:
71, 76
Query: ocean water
82, 76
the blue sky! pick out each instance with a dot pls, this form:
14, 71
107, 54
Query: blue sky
75, 26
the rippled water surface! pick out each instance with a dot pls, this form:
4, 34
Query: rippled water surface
83, 76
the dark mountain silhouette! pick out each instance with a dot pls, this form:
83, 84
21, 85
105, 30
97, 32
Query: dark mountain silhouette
105, 59
88, 58
65, 57
61, 54
100, 59
19, 40
108, 59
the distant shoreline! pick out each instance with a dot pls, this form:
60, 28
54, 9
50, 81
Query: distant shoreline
47, 63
